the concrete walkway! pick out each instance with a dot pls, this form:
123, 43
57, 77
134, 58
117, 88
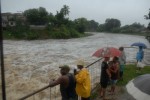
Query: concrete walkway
120, 94
139, 87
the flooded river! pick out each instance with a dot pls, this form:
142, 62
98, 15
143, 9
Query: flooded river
29, 65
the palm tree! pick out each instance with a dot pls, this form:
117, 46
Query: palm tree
65, 10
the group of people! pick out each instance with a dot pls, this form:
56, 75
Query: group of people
74, 85
77, 84
111, 71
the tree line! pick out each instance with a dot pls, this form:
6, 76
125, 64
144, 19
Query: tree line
59, 26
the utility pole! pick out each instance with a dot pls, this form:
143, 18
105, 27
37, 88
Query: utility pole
2, 59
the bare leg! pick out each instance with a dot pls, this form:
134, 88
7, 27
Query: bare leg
101, 92
104, 90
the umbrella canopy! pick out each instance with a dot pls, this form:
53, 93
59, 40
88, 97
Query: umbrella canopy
139, 44
107, 52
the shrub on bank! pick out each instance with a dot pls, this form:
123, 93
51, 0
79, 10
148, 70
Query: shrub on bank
62, 32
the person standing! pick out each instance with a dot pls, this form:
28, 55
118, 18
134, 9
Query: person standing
122, 62
114, 69
83, 85
105, 77
139, 58
67, 84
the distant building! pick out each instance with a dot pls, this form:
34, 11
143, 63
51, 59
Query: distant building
9, 19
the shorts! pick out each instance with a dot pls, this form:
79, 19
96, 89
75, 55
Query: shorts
104, 84
113, 82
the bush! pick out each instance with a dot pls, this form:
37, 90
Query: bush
74, 33
16, 32
32, 35
60, 33
115, 30
64, 33
23, 32
7, 35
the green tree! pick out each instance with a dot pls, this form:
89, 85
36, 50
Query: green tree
101, 28
81, 24
133, 28
43, 16
137, 25
111, 24
92, 25
60, 17
147, 17
36, 16
65, 10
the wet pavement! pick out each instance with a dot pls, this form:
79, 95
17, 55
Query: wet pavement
120, 94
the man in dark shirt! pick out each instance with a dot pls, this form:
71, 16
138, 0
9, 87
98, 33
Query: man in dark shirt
67, 84
105, 76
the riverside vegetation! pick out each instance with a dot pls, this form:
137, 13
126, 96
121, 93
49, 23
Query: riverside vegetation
59, 26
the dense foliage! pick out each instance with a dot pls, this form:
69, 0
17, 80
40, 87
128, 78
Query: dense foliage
36, 16
55, 26
114, 26
59, 26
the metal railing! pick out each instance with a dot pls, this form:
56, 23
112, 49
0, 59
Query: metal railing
52, 93
148, 37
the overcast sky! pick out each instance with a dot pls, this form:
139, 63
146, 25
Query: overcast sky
127, 11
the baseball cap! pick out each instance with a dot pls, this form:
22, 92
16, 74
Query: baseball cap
65, 67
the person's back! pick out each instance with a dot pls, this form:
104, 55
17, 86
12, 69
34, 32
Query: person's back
104, 75
122, 58
67, 88
122, 62
67, 84
83, 86
140, 55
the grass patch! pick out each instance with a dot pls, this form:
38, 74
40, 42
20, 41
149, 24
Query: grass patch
130, 73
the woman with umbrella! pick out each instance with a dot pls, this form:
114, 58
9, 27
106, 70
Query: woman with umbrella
139, 58
140, 54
